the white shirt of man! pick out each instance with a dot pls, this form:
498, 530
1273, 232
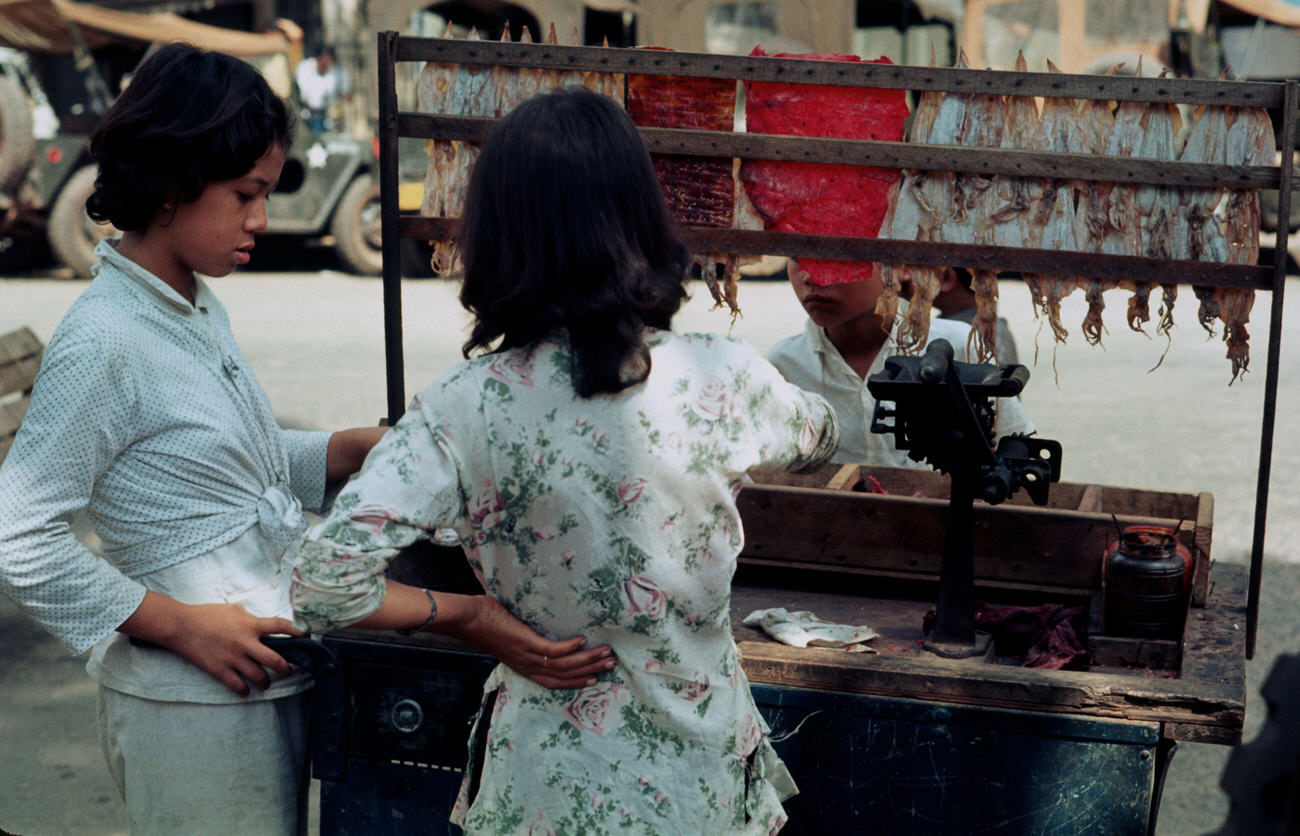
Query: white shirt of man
318, 91
810, 361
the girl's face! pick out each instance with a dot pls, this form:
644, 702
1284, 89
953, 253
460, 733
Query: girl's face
214, 234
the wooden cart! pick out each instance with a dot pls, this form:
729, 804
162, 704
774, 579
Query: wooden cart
899, 741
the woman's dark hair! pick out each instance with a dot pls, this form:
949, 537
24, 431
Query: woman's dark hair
565, 227
189, 117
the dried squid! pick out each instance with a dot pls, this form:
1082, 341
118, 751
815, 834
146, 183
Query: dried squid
1010, 213
1051, 225
1123, 230
1250, 142
1156, 207
1198, 234
902, 221
1089, 134
446, 177
970, 220
935, 191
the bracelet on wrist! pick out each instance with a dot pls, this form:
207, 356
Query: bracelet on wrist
433, 613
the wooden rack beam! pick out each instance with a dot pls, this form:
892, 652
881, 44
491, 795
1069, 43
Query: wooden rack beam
752, 146
976, 257
841, 73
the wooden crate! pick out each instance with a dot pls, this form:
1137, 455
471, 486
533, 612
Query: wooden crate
823, 519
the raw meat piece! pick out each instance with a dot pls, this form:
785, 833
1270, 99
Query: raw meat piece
813, 197
700, 191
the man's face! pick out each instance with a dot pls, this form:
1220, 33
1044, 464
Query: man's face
829, 306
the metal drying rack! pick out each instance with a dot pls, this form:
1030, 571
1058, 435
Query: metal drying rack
1284, 96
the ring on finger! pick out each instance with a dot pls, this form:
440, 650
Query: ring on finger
546, 661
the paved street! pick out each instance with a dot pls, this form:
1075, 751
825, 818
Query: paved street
315, 341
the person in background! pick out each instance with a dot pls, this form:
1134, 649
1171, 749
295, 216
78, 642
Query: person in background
146, 417
589, 460
844, 342
322, 84
956, 301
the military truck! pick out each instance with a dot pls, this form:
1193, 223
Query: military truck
57, 76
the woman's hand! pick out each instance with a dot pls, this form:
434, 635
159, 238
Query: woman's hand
564, 664
223, 640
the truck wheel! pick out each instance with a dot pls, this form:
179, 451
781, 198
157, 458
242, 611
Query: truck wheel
356, 228
17, 141
73, 235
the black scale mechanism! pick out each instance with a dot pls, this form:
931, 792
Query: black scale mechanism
943, 412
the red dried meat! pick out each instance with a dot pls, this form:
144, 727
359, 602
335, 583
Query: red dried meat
815, 197
699, 190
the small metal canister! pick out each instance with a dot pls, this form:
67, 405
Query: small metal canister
1148, 574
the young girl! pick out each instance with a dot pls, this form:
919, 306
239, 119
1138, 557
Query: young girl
589, 461
146, 417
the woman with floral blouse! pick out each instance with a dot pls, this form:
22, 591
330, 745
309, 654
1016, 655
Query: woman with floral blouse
589, 460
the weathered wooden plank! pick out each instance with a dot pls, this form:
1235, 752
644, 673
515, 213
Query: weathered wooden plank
843, 73
11, 415
1122, 651
20, 360
1090, 501
897, 155
1201, 542
903, 535
1206, 702
845, 478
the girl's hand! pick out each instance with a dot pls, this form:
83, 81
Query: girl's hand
564, 664
224, 640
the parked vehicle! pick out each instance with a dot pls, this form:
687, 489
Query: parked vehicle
60, 71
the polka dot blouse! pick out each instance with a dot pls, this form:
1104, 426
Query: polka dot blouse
146, 416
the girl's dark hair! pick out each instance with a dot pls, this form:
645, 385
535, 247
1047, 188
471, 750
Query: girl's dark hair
189, 117
565, 227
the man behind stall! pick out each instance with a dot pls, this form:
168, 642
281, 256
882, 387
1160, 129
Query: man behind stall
843, 343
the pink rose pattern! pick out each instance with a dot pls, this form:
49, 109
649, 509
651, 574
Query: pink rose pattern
595, 709
644, 597
710, 419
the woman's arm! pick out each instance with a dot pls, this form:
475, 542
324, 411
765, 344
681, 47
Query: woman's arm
348, 449
480, 621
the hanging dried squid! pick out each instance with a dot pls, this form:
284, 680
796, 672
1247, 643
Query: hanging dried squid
1090, 134
902, 220
1123, 228
1051, 217
1156, 206
1250, 142
970, 220
935, 191
1198, 232
1011, 206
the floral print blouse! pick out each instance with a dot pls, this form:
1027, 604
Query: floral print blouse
612, 517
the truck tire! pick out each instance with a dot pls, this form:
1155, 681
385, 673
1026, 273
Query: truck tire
356, 228
17, 141
73, 235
